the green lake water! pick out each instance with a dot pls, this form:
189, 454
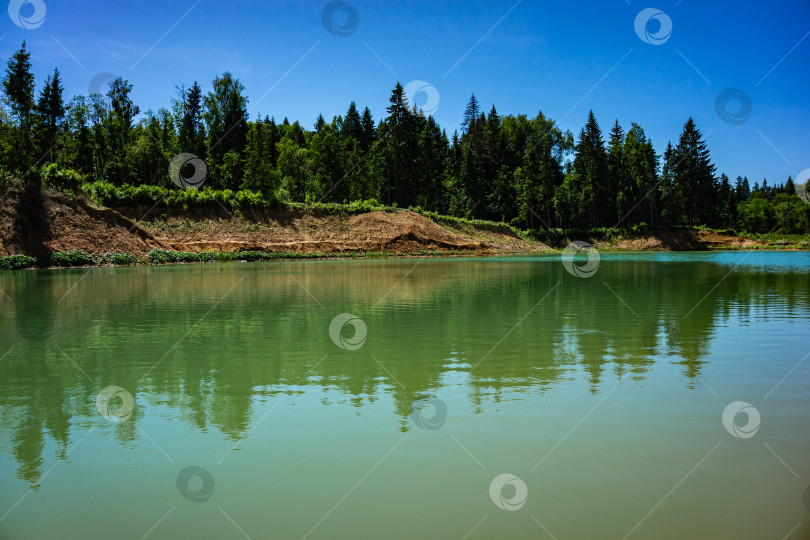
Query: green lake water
666, 396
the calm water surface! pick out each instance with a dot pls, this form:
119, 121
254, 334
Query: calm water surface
603, 398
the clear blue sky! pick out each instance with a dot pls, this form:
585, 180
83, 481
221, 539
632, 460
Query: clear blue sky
548, 56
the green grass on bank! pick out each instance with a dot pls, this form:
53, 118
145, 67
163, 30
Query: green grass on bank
79, 258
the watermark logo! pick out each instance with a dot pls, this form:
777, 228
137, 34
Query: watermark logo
97, 86
413, 89
28, 14
498, 486
340, 18
353, 342
644, 20
100, 80
569, 256
188, 171
118, 412
730, 419
429, 413
802, 185
205, 486
733, 106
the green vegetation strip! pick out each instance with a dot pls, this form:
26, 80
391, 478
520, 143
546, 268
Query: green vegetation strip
79, 258
110, 195
107, 194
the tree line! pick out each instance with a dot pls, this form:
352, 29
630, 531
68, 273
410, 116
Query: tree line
513, 168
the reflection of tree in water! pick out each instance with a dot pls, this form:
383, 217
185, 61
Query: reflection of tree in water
437, 325
42, 404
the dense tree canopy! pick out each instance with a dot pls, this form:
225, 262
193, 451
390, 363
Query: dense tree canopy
513, 168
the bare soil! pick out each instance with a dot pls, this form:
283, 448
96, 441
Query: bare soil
292, 231
57, 222
41, 225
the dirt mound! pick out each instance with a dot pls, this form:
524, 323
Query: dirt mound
400, 232
39, 225
406, 231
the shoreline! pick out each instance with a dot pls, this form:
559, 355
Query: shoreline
65, 231
187, 258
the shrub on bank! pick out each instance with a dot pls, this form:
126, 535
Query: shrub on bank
108, 194
16, 262
74, 257
60, 179
116, 259
354, 207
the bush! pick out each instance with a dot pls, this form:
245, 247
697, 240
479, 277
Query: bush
61, 179
16, 262
74, 257
116, 259
160, 256
355, 207
640, 229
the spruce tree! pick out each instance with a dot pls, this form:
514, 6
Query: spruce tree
396, 129
352, 123
18, 84
671, 207
724, 217
471, 113
191, 136
618, 196
694, 175
500, 198
789, 188
590, 166
741, 189
51, 111
642, 176
273, 138
369, 130
259, 173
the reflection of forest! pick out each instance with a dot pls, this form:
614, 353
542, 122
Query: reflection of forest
269, 334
